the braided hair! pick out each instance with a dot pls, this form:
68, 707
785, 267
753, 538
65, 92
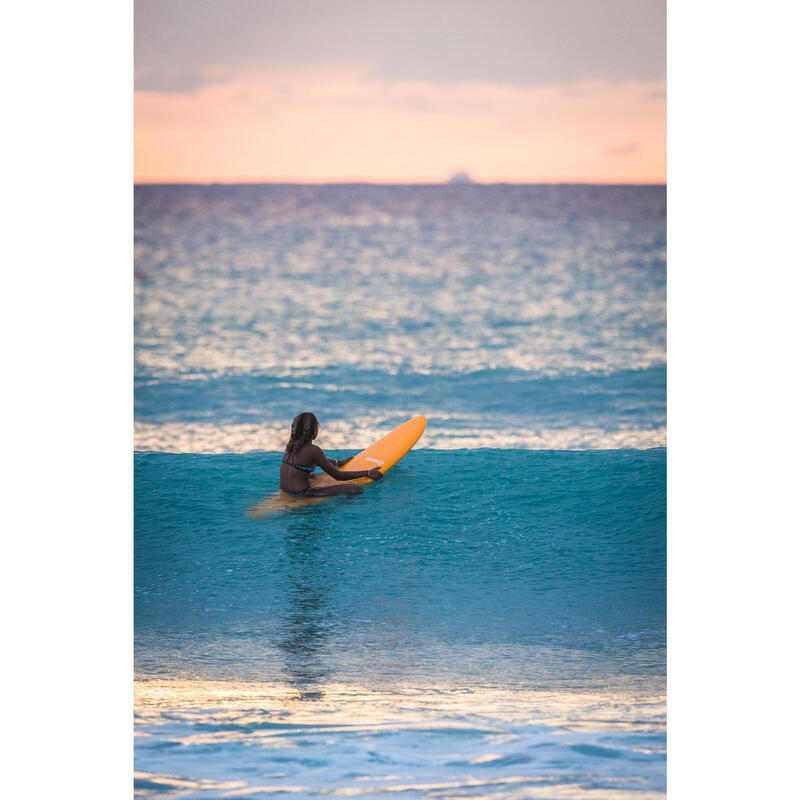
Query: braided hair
304, 430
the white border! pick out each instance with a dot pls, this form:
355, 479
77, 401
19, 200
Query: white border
66, 317
732, 403
67, 399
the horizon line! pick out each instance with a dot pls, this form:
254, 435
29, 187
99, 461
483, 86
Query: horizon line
165, 182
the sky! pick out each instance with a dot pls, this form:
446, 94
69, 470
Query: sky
400, 91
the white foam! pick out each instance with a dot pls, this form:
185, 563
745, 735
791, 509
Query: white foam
355, 434
263, 739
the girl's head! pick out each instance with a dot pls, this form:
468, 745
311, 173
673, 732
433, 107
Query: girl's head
304, 430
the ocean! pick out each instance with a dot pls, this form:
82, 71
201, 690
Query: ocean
487, 621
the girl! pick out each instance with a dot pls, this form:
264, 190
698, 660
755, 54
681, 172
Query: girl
301, 456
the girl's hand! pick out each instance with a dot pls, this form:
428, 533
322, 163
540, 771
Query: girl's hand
375, 474
342, 461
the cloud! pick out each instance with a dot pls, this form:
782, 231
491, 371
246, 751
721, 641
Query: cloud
623, 150
514, 42
181, 83
326, 126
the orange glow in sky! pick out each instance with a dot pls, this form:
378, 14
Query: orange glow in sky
280, 92
341, 128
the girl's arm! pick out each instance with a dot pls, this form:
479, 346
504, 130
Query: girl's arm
322, 461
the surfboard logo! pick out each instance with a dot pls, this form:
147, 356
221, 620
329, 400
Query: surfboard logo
375, 460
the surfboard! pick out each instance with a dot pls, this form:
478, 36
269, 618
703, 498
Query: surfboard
383, 455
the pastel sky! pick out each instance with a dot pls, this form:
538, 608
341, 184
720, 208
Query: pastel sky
400, 91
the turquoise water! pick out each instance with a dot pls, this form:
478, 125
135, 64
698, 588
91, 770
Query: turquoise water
489, 620
425, 578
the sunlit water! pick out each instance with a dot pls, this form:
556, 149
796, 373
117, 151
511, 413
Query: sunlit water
489, 620
511, 316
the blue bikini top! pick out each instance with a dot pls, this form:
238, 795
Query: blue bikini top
297, 466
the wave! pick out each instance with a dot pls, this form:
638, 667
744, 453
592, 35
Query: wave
186, 437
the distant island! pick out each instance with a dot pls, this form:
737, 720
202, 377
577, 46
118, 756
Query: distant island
460, 177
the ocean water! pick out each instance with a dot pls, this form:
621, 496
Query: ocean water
489, 620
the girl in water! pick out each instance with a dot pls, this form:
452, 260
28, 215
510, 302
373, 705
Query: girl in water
301, 456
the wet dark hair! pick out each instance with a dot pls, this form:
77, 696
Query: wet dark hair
304, 430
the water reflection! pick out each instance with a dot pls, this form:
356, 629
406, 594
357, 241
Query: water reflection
304, 633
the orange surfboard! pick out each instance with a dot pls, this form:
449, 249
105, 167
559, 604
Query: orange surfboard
383, 455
